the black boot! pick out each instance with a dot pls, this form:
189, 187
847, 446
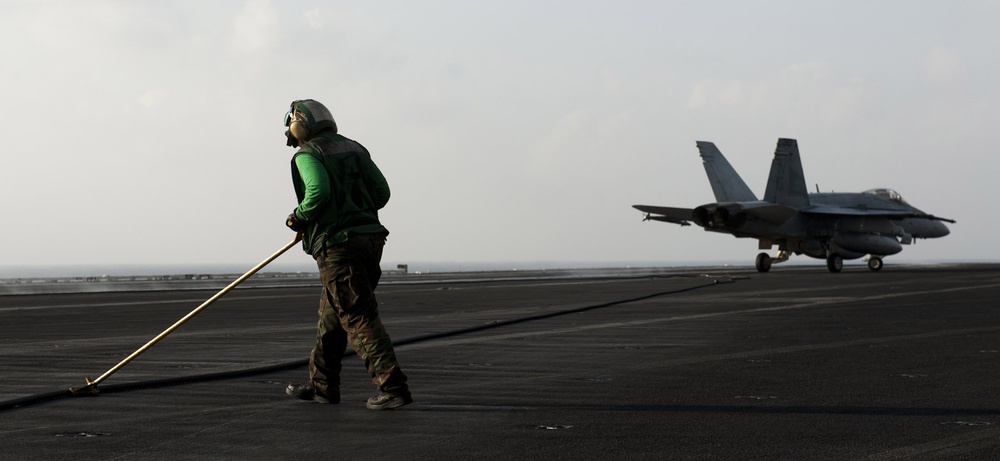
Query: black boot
308, 391
388, 401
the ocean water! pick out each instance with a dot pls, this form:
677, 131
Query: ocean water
118, 270
123, 270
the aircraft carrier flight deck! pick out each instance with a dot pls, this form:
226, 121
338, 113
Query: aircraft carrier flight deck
680, 364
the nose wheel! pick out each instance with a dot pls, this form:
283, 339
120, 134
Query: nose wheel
875, 263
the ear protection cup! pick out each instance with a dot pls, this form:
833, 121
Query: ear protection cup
299, 127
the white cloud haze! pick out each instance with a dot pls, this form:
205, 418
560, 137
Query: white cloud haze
150, 132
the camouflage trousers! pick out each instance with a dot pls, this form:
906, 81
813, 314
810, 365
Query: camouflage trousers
348, 314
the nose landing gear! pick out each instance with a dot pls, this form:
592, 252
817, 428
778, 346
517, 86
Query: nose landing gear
875, 263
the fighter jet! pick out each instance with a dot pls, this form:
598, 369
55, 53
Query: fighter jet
831, 226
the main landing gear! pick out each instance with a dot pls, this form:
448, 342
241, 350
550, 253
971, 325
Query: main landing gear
764, 260
835, 263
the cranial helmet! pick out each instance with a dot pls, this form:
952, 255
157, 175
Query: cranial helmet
305, 118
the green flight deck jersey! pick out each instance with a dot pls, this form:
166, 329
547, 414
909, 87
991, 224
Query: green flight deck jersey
339, 189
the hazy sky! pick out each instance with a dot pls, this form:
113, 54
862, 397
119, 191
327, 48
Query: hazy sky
151, 132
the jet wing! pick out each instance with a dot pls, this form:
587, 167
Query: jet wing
890, 214
680, 216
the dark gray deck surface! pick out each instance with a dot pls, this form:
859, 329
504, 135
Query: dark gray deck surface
794, 364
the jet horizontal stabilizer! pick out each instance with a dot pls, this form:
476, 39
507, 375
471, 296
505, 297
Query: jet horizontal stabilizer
680, 216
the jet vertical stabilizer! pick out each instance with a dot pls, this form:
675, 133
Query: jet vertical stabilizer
787, 184
726, 183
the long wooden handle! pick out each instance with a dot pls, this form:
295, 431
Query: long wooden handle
250, 273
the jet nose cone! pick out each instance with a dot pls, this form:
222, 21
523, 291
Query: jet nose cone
925, 228
937, 229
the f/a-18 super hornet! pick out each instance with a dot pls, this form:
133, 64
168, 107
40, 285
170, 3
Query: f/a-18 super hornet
831, 226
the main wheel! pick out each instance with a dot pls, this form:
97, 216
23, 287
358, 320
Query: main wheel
835, 263
875, 263
763, 262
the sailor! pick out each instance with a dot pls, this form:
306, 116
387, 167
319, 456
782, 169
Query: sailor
340, 191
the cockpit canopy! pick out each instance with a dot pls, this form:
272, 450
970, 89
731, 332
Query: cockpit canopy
887, 194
